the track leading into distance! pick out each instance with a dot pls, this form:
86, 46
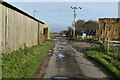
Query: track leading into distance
66, 63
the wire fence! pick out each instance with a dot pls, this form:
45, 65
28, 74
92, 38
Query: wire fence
113, 45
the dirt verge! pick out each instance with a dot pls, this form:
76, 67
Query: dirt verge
42, 69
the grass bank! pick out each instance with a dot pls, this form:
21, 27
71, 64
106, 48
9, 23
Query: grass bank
24, 63
110, 60
54, 36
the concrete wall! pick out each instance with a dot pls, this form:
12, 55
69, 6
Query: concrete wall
16, 30
109, 32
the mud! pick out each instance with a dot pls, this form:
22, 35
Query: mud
42, 69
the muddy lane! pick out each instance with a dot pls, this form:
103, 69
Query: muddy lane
67, 66
68, 63
63, 63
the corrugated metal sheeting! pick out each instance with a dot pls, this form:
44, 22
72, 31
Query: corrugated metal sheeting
17, 29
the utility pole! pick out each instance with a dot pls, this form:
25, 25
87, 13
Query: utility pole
75, 15
34, 11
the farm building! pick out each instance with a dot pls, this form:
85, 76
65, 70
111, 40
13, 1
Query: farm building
44, 32
18, 29
109, 32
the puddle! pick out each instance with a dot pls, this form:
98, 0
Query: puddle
50, 54
51, 50
63, 43
55, 39
60, 48
60, 78
60, 55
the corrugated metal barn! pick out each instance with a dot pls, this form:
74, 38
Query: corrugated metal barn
17, 29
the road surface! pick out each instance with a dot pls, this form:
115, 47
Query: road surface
68, 61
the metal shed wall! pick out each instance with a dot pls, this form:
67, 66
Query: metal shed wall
16, 30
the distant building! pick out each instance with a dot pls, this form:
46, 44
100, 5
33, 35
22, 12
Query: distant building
119, 9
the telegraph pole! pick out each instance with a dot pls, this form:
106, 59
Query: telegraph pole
75, 15
34, 11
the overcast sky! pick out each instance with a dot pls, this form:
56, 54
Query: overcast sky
62, 0
59, 15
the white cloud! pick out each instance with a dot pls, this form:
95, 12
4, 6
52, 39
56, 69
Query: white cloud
62, 0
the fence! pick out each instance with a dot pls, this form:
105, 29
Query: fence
114, 46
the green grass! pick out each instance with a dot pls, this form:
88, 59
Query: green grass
24, 63
107, 58
92, 41
54, 36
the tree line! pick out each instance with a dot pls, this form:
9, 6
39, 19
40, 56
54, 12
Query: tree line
82, 25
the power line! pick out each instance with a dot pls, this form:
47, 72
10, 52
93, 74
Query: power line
55, 10
57, 20
54, 17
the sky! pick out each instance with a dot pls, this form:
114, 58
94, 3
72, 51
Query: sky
119, 9
62, 0
59, 15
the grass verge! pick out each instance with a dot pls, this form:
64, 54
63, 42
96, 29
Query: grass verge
110, 60
24, 63
54, 36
